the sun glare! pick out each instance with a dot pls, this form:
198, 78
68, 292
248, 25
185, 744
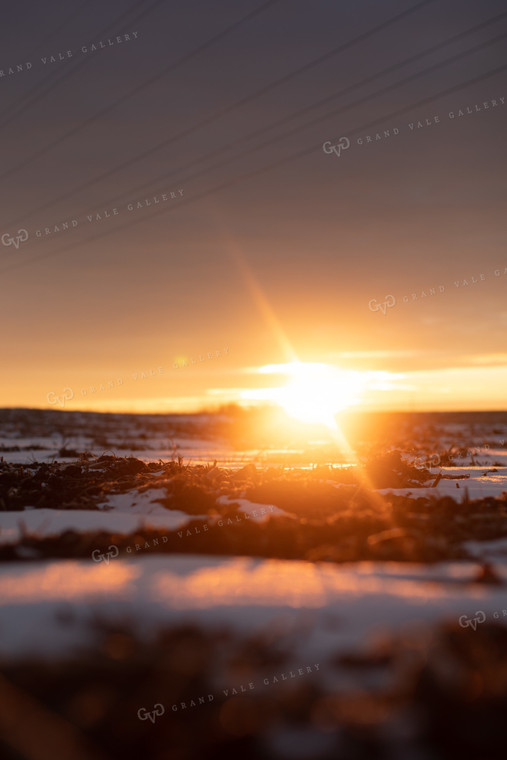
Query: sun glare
314, 392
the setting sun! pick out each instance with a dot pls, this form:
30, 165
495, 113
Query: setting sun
314, 392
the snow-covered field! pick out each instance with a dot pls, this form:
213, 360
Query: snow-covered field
320, 610
70, 574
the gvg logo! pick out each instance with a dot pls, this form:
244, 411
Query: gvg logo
144, 714
384, 306
342, 144
426, 463
112, 553
15, 240
466, 622
67, 395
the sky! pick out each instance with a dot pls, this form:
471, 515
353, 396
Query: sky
193, 191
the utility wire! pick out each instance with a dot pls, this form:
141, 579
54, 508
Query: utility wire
138, 88
334, 112
69, 71
149, 185
217, 114
256, 172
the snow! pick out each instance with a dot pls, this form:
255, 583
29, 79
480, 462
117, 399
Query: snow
493, 551
121, 514
54, 522
318, 609
258, 513
136, 502
480, 484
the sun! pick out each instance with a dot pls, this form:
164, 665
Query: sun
314, 393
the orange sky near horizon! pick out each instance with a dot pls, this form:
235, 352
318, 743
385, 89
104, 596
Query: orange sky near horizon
208, 380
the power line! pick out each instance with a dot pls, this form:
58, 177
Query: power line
36, 90
348, 107
318, 119
141, 86
256, 172
222, 112
325, 116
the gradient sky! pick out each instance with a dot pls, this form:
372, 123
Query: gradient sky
268, 251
